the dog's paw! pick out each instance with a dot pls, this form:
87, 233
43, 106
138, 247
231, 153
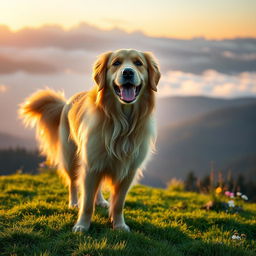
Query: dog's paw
103, 204
123, 227
80, 228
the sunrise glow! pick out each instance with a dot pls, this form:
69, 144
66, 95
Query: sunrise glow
180, 19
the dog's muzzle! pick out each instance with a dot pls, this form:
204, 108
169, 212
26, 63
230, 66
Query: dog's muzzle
126, 87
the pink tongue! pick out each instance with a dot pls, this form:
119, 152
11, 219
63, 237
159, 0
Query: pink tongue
128, 93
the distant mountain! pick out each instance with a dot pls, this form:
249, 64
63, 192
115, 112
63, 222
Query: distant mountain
172, 110
11, 141
245, 164
223, 137
19, 159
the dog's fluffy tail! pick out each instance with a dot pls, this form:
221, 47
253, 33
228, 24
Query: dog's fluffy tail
43, 111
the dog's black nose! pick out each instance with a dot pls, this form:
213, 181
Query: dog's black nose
128, 73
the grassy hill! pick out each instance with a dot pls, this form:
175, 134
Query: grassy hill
35, 220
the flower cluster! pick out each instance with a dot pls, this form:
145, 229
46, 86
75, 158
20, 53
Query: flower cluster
238, 195
236, 236
230, 201
229, 194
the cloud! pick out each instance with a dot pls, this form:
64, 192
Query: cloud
3, 88
53, 49
235, 56
14, 64
83, 36
210, 83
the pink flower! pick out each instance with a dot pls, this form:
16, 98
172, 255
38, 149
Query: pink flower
231, 194
227, 193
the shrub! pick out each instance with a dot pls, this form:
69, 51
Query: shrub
175, 185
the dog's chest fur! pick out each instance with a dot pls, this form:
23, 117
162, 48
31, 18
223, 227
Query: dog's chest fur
115, 151
115, 144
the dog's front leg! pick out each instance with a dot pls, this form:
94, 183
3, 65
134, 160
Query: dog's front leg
117, 203
89, 189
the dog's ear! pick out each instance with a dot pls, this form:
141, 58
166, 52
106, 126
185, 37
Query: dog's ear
99, 70
153, 70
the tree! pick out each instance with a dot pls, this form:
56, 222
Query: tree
240, 183
205, 184
190, 181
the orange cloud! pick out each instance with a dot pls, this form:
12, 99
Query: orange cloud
3, 88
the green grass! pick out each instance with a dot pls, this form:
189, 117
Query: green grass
35, 220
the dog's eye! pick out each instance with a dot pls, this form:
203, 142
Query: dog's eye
138, 63
117, 63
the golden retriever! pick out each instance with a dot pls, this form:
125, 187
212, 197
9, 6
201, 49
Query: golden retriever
106, 133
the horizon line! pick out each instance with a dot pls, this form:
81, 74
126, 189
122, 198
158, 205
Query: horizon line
78, 25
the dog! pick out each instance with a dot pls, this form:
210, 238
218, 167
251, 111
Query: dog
105, 134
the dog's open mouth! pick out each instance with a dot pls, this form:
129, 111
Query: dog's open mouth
127, 92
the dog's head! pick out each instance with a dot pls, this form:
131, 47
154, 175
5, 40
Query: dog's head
126, 73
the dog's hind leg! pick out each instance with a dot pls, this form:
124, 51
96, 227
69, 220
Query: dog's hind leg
100, 200
70, 163
89, 189
73, 186
71, 166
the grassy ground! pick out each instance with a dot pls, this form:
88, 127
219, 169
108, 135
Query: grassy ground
35, 220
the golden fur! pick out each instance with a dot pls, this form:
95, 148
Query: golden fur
96, 135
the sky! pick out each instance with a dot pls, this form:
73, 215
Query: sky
203, 47
215, 19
